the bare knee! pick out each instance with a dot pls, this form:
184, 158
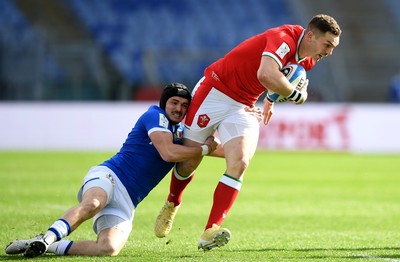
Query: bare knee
92, 206
242, 165
237, 168
93, 200
109, 249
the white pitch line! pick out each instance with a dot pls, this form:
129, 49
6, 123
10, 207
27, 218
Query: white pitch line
378, 258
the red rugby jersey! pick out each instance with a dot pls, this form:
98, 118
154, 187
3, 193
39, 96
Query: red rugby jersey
236, 73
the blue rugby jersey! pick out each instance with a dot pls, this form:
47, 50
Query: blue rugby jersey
138, 164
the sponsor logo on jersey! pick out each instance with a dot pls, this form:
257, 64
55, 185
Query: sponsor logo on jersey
282, 50
163, 121
215, 76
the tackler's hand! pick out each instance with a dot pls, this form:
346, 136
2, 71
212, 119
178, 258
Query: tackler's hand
211, 143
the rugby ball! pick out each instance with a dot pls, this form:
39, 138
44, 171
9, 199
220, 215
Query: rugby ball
296, 74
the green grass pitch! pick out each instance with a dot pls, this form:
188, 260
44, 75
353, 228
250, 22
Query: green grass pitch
293, 206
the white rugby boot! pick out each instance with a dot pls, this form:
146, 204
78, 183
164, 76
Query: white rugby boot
165, 219
20, 246
36, 247
214, 237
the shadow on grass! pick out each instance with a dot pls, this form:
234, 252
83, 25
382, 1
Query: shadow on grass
51, 257
286, 254
317, 249
359, 253
19, 258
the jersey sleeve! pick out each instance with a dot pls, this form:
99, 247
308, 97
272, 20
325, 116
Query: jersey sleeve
280, 46
155, 121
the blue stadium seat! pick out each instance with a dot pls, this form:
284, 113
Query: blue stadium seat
394, 7
170, 29
21, 56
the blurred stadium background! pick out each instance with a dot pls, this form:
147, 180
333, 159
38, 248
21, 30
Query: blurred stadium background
114, 50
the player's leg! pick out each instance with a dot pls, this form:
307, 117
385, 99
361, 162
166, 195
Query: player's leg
95, 193
238, 152
165, 218
237, 159
112, 225
181, 175
202, 124
114, 232
93, 200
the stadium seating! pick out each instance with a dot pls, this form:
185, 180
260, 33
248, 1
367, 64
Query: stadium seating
394, 6
170, 40
18, 55
150, 42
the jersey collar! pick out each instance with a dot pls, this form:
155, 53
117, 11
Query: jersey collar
298, 59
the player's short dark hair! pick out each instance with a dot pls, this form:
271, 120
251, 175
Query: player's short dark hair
174, 89
324, 23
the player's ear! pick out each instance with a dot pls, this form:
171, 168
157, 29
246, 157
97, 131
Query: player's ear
309, 35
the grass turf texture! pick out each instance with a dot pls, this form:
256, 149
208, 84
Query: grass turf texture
292, 207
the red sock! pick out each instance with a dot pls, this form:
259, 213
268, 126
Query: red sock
224, 197
176, 188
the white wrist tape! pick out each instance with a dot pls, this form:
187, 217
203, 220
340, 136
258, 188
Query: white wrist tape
205, 150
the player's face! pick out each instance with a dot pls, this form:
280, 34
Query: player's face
322, 45
176, 108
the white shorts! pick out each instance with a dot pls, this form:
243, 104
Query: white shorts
119, 210
224, 115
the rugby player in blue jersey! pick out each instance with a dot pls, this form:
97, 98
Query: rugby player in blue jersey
111, 191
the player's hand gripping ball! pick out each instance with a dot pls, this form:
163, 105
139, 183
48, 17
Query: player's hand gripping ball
296, 74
